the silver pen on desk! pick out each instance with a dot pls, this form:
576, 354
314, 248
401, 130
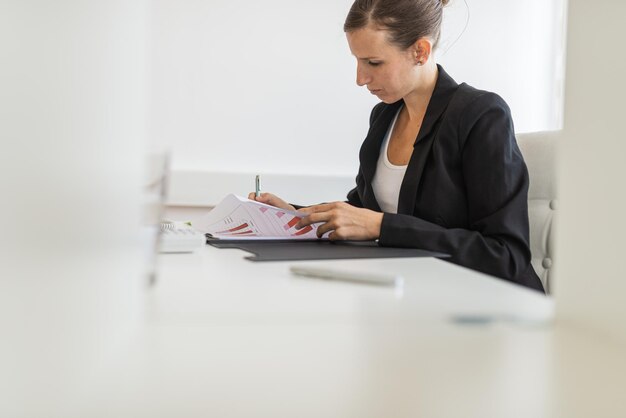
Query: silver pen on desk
257, 186
381, 279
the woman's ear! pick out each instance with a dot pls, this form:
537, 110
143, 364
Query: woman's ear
421, 50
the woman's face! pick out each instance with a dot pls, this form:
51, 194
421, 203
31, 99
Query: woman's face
387, 71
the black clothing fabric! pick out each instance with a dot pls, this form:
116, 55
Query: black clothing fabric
465, 189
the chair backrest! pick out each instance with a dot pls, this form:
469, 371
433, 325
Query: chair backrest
539, 151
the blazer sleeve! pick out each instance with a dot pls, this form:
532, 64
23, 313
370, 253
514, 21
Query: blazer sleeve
353, 195
496, 183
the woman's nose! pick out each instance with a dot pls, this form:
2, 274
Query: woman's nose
362, 78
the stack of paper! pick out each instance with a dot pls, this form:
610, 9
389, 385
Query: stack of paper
240, 218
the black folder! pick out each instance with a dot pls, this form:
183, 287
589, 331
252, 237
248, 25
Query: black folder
293, 250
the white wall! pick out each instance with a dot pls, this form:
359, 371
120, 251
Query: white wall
263, 86
269, 87
515, 48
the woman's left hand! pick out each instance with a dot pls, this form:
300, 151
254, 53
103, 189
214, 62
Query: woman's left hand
343, 220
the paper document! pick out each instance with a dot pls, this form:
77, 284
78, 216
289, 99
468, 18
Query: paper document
238, 218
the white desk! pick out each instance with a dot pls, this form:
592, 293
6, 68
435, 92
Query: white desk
226, 337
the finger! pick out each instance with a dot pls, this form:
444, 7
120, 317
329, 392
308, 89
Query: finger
268, 199
273, 200
304, 211
263, 197
335, 236
324, 228
314, 218
304, 221
322, 207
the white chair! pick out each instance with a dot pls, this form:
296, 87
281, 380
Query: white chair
539, 150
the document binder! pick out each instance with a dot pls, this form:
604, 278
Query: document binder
319, 250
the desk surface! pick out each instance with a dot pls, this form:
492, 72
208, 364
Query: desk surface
226, 337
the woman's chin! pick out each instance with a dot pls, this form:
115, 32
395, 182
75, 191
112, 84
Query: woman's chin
384, 97
388, 99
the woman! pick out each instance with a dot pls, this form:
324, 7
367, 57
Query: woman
440, 168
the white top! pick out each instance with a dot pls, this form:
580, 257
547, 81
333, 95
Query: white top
388, 177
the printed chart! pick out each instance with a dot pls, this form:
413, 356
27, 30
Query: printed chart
239, 218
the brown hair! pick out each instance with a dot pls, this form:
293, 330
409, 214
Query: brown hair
405, 20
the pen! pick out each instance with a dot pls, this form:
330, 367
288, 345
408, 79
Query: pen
380, 279
257, 185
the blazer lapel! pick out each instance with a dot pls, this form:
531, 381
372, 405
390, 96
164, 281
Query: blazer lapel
442, 94
370, 151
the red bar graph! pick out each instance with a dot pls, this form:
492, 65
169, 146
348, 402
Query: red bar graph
235, 229
243, 233
291, 223
304, 230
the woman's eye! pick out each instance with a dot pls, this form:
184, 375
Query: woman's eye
374, 63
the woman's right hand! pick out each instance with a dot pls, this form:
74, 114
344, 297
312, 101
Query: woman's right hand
270, 199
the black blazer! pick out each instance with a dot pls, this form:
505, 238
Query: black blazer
466, 185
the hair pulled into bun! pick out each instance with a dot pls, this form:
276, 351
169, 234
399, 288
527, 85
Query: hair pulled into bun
406, 21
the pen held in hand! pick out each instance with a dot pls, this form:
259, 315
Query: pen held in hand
257, 186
